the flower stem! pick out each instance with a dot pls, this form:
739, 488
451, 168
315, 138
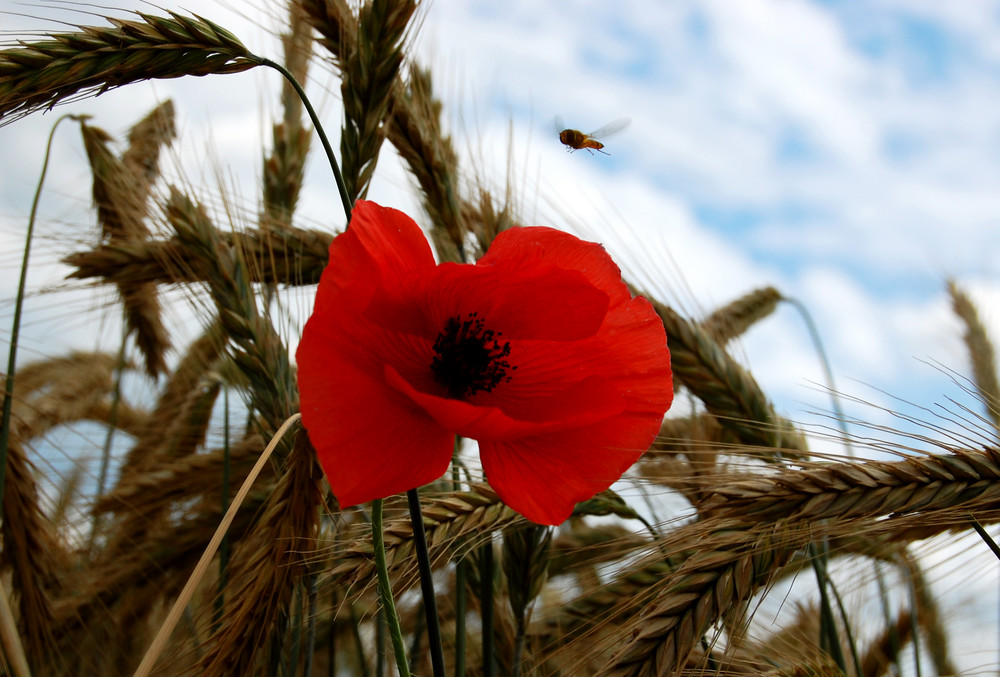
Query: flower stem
341, 186
486, 604
426, 584
385, 590
460, 566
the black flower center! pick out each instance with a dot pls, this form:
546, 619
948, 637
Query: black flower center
469, 358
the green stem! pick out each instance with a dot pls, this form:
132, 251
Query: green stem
341, 186
486, 604
385, 590
460, 565
380, 643
426, 583
460, 606
15, 331
990, 543
518, 649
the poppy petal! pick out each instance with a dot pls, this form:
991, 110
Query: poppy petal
629, 352
586, 403
536, 246
567, 374
543, 303
544, 477
371, 441
379, 249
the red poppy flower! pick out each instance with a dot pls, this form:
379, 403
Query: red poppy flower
538, 351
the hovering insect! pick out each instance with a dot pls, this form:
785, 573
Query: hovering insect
574, 139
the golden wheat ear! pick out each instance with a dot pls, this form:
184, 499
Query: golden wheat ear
37, 75
981, 353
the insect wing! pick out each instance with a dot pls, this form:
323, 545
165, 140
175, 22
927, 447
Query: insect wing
610, 128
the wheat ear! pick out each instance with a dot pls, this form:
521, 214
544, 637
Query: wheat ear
149, 660
450, 521
269, 562
38, 75
926, 484
415, 131
981, 352
728, 390
291, 256
730, 564
284, 168
414, 128
369, 74
733, 319
263, 357
32, 551
175, 396
122, 191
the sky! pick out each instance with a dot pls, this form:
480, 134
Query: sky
845, 152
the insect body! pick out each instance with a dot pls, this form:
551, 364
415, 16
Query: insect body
574, 139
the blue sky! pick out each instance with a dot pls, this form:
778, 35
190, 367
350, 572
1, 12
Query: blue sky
847, 152
844, 151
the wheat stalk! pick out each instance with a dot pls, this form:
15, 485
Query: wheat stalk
38, 75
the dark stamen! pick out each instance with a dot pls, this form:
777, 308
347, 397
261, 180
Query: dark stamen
468, 358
